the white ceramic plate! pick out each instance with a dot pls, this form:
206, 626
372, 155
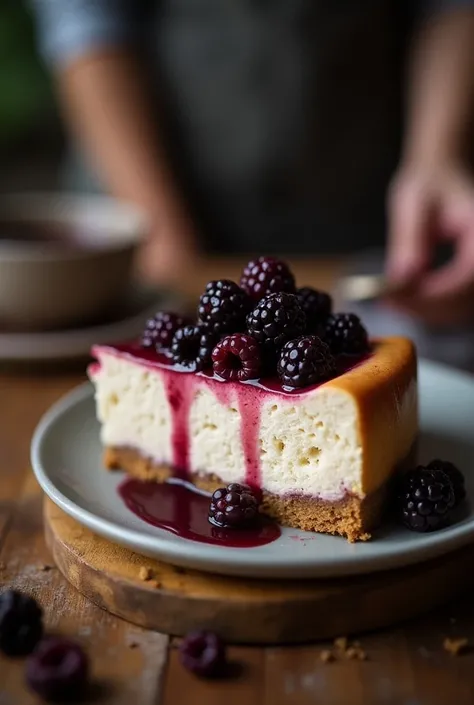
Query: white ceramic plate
66, 456
139, 304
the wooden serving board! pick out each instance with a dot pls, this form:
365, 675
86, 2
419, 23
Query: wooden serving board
175, 600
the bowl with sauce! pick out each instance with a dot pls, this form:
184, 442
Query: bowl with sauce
65, 260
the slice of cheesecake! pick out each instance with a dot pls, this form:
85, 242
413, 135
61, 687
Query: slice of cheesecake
323, 456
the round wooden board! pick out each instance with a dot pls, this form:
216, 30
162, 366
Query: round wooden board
176, 600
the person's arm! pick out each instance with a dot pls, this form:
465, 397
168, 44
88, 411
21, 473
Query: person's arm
432, 195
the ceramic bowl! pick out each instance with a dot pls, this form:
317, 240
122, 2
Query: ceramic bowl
65, 260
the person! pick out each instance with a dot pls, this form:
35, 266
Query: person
289, 126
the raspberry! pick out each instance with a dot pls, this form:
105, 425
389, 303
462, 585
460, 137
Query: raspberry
21, 625
160, 329
192, 347
317, 306
305, 361
345, 334
203, 653
425, 499
237, 357
266, 275
57, 669
454, 474
233, 506
223, 307
275, 320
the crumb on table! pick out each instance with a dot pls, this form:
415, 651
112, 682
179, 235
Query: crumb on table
326, 656
341, 643
356, 653
144, 573
456, 646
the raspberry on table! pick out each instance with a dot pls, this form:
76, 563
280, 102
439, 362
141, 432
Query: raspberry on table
345, 334
21, 624
266, 275
58, 669
237, 358
317, 305
305, 361
159, 330
192, 347
425, 499
223, 307
275, 320
233, 506
454, 474
203, 653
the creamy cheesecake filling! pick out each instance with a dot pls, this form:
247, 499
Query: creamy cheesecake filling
307, 443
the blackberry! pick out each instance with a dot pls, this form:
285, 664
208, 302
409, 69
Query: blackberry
237, 357
21, 625
192, 347
160, 329
345, 334
233, 506
454, 474
223, 307
203, 653
305, 361
425, 499
266, 275
317, 306
275, 320
57, 669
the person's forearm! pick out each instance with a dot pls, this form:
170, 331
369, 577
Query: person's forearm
441, 90
108, 108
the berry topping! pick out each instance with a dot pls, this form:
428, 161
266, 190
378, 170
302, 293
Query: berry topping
454, 474
305, 361
21, 625
223, 307
237, 357
203, 653
160, 329
57, 669
345, 334
275, 320
425, 499
233, 506
317, 306
192, 347
266, 275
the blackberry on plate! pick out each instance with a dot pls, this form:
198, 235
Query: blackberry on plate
305, 361
21, 625
57, 669
237, 357
266, 275
192, 347
317, 306
203, 653
454, 474
425, 499
160, 329
275, 320
233, 506
345, 334
223, 307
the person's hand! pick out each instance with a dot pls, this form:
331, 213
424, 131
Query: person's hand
427, 206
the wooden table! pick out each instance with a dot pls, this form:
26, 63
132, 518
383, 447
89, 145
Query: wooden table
405, 666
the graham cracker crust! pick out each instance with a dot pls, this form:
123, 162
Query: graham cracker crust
351, 517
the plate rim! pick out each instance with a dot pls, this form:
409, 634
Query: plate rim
225, 561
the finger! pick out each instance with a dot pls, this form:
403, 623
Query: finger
447, 282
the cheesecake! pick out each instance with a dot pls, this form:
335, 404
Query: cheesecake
320, 429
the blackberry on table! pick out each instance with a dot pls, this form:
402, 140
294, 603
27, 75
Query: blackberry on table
57, 670
425, 499
21, 624
305, 361
223, 307
266, 275
345, 334
159, 330
317, 305
275, 320
454, 474
237, 357
233, 506
192, 347
203, 653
